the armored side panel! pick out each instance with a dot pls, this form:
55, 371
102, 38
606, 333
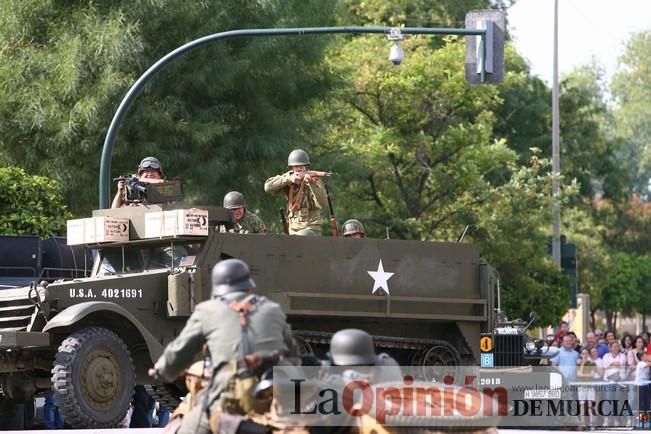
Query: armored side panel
403, 290
424, 303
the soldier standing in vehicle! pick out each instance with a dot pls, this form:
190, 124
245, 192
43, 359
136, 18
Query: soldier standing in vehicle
306, 194
149, 170
353, 229
244, 221
266, 330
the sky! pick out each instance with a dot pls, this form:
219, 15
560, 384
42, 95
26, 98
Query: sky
586, 29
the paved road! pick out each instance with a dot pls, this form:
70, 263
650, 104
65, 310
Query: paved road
604, 431
97, 431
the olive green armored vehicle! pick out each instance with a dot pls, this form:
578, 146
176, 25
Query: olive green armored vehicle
91, 340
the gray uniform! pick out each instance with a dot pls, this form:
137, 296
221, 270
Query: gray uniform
218, 325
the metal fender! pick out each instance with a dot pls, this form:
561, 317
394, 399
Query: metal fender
75, 313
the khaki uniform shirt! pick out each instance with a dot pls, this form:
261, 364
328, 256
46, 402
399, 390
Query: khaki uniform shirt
308, 216
214, 323
250, 224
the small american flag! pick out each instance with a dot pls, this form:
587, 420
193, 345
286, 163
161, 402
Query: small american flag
187, 261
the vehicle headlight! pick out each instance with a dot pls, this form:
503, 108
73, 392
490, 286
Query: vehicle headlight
544, 348
530, 346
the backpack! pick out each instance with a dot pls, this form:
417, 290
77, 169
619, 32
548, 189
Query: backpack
238, 396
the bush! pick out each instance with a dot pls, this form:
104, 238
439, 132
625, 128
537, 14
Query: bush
31, 205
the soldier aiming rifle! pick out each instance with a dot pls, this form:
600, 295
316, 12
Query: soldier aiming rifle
306, 194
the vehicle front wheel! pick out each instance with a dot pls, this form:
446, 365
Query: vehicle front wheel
93, 379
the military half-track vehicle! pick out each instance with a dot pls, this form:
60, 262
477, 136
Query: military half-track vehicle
91, 340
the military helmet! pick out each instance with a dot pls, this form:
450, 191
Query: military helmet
353, 226
234, 199
298, 157
231, 275
150, 163
351, 347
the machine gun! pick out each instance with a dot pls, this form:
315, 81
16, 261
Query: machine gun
140, 192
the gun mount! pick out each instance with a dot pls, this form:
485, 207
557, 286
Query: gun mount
141, 192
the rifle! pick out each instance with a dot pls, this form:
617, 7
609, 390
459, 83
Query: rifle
314, 173
283, 220
333, 220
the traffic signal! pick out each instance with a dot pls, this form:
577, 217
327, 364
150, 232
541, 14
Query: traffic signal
568, 265
494, 22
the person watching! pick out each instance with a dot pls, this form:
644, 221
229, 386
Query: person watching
566, 359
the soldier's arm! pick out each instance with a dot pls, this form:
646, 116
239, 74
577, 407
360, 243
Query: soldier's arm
180, 353
318, 190
117, 200
276, 184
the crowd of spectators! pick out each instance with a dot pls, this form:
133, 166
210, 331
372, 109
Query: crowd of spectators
603, 357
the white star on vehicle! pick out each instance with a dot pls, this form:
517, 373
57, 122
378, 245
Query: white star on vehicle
380, 278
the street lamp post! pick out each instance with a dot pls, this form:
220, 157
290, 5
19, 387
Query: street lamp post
556, 206
111, 135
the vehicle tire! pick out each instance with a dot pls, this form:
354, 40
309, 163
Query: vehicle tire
439, 360
93, 379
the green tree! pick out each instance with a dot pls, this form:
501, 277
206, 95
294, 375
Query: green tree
414, 13
631, 88
512, 229
643, 303
589, 147
424, 133
587, 231
31, 205
619, 293
417, 144
215, 118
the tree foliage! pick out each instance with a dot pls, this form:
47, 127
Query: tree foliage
589, 148
32, 205
66, 65
417, 151
415, 13
631, 88
418, 146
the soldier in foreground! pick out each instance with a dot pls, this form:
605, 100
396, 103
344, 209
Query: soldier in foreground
149, 170
305, 192
353, 229
234, 324
244, 221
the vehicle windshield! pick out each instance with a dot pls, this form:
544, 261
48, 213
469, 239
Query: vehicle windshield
138, 258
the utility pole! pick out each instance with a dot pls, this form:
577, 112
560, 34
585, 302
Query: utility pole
556, 209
